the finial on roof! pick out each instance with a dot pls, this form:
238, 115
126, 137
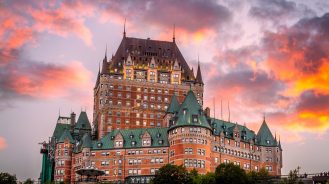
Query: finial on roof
106, 51
198, 73
264, 117
124, 29
173, 35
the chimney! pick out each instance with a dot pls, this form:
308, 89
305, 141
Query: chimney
72, 120
207, 111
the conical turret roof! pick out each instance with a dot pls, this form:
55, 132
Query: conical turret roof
198, 75
264, 136
173, 106
190, 113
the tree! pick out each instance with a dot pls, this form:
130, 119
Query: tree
262, 176
6, 178
29, 181
208, 178
172, 174
230, 174
292, 177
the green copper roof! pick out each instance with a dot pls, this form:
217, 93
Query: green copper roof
83, 122
227, 128
188, 111
132, 138
265, 137
86, 141
66, 135
59, 129
174, 105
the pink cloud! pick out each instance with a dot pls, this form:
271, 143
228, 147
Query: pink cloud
48, 80
3, 144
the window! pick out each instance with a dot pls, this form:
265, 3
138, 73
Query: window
118, 143
188, 151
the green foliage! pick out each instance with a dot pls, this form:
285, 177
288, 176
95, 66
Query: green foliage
292, 177
230, 174
262, 176
28, 181
208, 178
6, 178
172, 174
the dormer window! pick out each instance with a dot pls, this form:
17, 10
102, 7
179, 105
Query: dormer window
158, 135
184, 111
195, 118
131, 136
133, 143
146, 142
267, 142
99, 144
160, 141
118, 143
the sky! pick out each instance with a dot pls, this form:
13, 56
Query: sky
264, 57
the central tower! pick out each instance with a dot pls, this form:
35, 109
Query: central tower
134, 87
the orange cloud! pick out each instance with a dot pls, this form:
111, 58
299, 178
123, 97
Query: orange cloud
3, 144
51, 81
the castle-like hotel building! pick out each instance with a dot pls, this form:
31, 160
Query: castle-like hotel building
148, 112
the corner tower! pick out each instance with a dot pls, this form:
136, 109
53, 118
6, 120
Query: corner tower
190, 136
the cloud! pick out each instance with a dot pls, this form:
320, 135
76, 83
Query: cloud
279, 12
192, 17
299, 55
285, 76
3, 144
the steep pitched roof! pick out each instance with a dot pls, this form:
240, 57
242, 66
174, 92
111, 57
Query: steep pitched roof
83, 122
66, 135
59, 129
189, 108
145, 49
264, 136
86, 141
198, 75
159, 138
220, 126
173, 106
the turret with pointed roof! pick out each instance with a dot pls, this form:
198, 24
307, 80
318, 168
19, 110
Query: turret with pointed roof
198, 75
82, 126
190, 113
264, 136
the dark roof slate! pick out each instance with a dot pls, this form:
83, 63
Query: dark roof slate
145, 49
